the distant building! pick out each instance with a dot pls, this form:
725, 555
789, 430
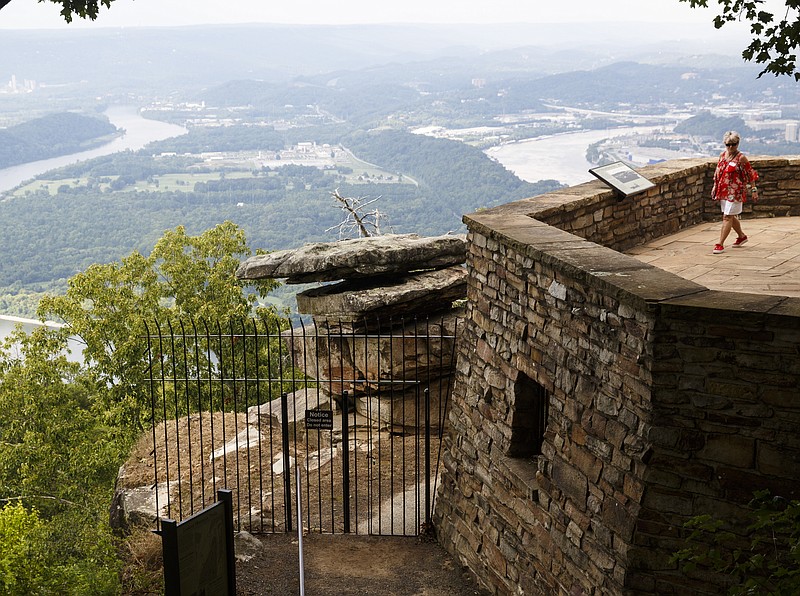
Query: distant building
791, 132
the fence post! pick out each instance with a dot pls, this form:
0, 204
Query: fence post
287, 483
427, 458
345, 464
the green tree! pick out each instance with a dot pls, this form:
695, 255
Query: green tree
775, 36
58, 462
67, 426
52, 444
85, 9
21, 533
109, 306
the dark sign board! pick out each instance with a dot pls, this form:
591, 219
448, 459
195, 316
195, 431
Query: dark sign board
319, 419
622, 178
198, 552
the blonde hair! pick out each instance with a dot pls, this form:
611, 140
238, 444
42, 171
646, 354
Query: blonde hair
730, 137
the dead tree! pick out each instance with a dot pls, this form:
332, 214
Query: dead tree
357, 218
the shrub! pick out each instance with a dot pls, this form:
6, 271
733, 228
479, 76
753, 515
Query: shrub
766, 562
66, 555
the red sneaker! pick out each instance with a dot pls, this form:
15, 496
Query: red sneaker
718, 248
739, 241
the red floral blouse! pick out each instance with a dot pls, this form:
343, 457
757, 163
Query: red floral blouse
732, 177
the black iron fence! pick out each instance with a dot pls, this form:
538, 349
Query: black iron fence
334, 425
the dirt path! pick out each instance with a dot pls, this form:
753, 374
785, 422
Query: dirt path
337, 565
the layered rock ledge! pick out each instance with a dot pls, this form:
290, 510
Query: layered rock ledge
357, 258
392, 296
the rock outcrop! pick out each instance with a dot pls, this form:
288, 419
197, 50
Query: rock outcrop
387, 297
391, 291
383, 334
356, 258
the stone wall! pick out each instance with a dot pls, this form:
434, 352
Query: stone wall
680, 199
665, 399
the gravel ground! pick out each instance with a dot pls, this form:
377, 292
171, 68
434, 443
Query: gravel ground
352, 564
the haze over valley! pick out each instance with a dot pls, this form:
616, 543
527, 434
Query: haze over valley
433, 120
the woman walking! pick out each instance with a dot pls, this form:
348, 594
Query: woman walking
732, 178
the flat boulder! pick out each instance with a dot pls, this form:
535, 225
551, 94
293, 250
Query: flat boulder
406, 295
298, 403
357, 258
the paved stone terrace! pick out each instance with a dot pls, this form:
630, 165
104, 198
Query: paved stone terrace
769, 263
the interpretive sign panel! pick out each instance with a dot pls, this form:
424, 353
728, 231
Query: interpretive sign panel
319, 419
198, 552
622, 178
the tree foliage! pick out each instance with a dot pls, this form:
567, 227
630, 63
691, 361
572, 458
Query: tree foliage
764, 561
85, 9
52, 446
58, 461
66, 425
32, 562
775, 36
108, 307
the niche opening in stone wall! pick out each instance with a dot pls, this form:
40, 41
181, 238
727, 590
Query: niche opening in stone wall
529, 420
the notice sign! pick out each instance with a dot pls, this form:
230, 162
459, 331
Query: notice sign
622, 178
319, 419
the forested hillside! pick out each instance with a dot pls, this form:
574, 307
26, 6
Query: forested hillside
51, 136
99, 210
458, 178
637, 84
230, 138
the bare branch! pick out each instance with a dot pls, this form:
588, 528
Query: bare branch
357, 218
349, 205
40, 497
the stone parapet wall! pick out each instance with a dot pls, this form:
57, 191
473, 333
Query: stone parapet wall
664, 398
679, 199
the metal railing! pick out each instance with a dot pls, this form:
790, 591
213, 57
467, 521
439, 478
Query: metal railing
229, 402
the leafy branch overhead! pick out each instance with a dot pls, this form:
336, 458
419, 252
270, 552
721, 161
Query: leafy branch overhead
86, 9
775, 36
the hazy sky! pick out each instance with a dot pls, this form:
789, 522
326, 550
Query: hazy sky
31, 14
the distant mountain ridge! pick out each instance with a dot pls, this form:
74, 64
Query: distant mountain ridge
170, 57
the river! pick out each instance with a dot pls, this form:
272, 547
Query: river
138, 133
7, 324
559, 157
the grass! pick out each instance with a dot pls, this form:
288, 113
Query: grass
143, 568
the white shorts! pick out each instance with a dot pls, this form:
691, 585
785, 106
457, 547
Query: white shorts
731, 207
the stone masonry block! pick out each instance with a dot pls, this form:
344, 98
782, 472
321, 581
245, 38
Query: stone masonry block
570, 481
733, 450
778, 460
